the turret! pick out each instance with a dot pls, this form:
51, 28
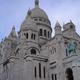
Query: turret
59, 49
58, 29
69, 26
69, 29
13, 33
9, 44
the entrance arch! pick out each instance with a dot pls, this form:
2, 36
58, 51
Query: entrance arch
69, 74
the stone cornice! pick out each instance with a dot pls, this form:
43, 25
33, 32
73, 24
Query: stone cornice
36, 57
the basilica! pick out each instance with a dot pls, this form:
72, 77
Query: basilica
33, 54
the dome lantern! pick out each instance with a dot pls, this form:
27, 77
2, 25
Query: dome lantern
36, 3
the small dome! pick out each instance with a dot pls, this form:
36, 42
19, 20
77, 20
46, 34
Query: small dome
13, 33
38, 13
28, 24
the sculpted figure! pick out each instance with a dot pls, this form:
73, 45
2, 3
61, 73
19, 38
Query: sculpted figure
71, 48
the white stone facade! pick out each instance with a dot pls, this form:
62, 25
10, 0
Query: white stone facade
32, 54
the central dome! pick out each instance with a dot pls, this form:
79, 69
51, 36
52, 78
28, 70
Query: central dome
38, 13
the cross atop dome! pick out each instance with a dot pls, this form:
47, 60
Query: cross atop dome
36, 3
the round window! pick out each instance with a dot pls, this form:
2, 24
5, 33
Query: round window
33, 51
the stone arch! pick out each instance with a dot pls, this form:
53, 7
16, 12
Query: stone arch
69, 74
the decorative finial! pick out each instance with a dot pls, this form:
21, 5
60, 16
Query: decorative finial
36, 3
70, 21
57, 24
29, 12
13, 28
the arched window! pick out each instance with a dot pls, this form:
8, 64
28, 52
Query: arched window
69, 74
52, 76
55, 76
40, 19
33, 51
40, 32
33, 36
39, 70
35, 19
48, 34
45, 33
17, 51
71, 26
26, 35
35, 72
44, 72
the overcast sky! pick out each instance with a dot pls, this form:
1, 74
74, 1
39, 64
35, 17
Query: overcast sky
13, 12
